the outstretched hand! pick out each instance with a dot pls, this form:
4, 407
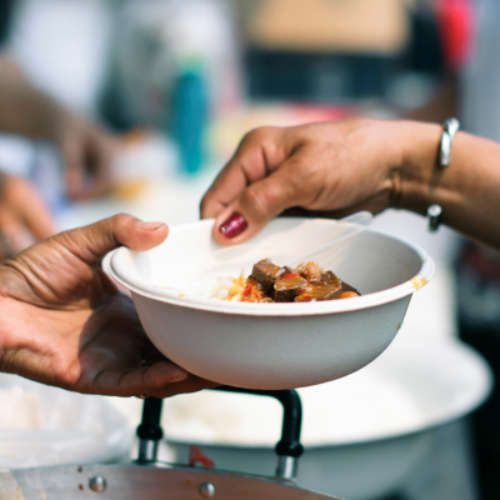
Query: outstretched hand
63, 322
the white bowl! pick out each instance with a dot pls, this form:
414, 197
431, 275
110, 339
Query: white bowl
271, 345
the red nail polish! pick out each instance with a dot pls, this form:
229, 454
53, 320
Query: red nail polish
233, 226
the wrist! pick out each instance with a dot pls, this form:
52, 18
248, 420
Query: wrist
419, 173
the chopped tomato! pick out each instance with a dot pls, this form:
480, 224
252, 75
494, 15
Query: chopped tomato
304, 295
292, 275
246, 292
348, 295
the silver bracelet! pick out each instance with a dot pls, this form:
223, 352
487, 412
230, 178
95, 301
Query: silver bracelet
434, 213
450, 129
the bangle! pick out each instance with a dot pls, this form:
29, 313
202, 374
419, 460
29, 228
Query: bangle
434, 213
450, 129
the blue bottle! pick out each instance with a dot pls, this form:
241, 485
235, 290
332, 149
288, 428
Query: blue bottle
189, 116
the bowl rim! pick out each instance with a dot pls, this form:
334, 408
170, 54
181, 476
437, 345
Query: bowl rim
136, 286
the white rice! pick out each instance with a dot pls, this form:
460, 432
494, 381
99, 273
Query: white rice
228, 288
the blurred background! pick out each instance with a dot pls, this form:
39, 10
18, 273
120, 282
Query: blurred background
135, 105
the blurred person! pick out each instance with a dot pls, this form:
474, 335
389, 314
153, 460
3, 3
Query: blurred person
86, 148
64, 323
87, 152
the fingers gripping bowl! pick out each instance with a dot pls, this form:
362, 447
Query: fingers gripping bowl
270, 345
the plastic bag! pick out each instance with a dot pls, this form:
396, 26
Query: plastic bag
42, 425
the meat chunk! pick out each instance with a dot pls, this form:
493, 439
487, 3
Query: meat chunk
323, 291
286, 290
265, 273
311, 272
329, 275
348, 288
269, 282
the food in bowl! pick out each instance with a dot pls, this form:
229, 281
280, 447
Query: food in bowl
271, 283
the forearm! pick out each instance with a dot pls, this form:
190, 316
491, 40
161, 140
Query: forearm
24, 110
468, 190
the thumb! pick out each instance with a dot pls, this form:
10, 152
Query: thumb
92, 242
247, 215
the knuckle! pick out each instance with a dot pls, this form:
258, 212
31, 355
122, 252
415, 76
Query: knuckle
122, 219
253, 200
264, 131
258, 135
118, 226
298, 178
259, 200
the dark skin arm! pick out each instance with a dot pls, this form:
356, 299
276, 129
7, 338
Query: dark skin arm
333, 169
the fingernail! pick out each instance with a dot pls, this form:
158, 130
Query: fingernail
150, 226
233, 226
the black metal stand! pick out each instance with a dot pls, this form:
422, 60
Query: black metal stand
288, 449
149, 431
